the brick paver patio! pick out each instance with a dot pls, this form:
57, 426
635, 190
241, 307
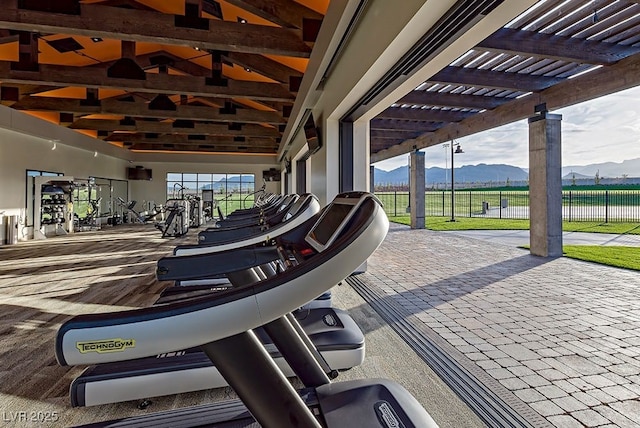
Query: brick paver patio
562, 335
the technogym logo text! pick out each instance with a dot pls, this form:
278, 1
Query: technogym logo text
386, 415
107, 345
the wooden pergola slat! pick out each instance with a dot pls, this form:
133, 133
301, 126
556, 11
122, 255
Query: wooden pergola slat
569, 49
462, 76
426, 115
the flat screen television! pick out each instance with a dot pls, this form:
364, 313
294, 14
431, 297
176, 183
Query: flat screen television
271, 174
139, 173
312, 134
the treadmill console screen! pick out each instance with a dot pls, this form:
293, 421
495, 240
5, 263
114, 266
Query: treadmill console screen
331, 222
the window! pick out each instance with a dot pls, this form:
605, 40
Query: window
229, 191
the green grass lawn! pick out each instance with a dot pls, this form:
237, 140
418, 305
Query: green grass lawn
623, 257
467, 223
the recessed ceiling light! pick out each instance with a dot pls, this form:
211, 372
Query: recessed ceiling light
242, 20
96, 39
247, 69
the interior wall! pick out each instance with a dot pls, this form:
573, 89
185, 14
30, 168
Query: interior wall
316, 176
20, 152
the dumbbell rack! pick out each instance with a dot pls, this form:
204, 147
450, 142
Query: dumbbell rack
54, 215
53, 209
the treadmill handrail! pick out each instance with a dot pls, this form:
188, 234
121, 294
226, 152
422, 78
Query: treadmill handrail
310, 208
196, 266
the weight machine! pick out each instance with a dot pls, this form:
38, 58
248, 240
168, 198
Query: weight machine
142, 216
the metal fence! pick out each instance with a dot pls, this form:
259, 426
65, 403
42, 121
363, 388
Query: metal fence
577, 205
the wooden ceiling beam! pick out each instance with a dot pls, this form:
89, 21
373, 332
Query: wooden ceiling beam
622, 75
185, 139
251, 130
149, 60
155, 27
155, 83
425, 115
129, 4
134, 109
444, 99
7, 37
153, 59
286, 13
265, 66
472, 77
31, 89
205, 148
561, 48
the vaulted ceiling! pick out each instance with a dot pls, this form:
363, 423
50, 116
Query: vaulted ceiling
158, 75
222, 76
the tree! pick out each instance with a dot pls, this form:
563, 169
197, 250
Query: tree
597, 179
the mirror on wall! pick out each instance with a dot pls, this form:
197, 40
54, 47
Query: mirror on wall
108, 190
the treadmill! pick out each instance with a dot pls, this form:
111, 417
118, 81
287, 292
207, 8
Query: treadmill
332, 331
253, 216
345, 234
305, 207
292, 216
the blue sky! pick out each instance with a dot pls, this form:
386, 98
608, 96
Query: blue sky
606, 129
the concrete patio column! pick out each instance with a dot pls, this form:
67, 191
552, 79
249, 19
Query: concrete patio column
416, 189
361, 156
372, 177
545, 184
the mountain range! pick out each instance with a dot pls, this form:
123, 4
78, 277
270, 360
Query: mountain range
483, 173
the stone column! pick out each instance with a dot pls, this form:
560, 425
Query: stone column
545, 184
372, 177
416, 189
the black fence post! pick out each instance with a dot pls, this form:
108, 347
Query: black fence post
395, 203
606, 206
